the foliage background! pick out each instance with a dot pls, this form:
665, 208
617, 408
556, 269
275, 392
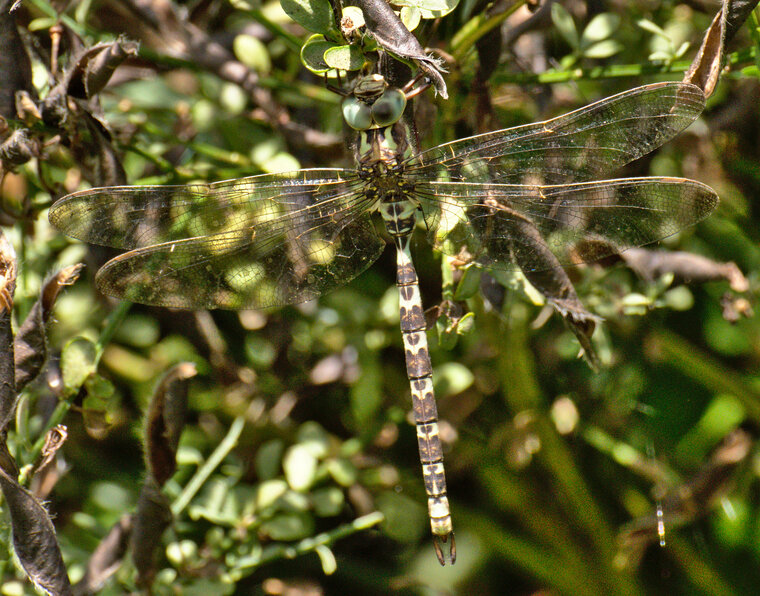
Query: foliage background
547, 460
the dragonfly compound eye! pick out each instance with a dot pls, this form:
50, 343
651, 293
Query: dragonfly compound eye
357, 114
388, 108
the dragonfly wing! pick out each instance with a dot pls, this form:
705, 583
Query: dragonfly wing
583, 145
130, 217
237, 244
256, 268
503, 225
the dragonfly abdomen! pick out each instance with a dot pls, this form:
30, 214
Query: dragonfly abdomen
399, 214
419, 370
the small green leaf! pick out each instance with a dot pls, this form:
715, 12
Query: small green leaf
268, 492
313, 437
99, 387
300, 467
342, 471
98, 406
366, 393
469, 285
281, 162
252, 52
659, 56
679, 298
182, 552
567, 62
444, 326
429, 9
233, 98
42, 24
466, 324
347, 57
78, 361
313, 53
682, 49
404, 517
564, 23
603, 49
601, 27
138, 331
647, 25
260, 351
452, 378
327, 558
312, 15
355, 14
288, 526
328, 502
636, 299
410, 16
269, 458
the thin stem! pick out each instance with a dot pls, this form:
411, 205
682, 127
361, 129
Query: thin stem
277, 552
115, 319
202, 474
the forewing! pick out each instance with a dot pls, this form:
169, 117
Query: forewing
583, 145
253, 243
503, 226
130, 217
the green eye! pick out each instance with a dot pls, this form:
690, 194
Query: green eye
388, 108
357, 114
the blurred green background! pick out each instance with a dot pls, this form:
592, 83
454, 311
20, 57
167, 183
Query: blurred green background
558, 475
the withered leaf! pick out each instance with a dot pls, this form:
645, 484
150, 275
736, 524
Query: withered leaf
30, 343
107, 168
151, 519
7, 288
18, 149
737, 11
15, 68
54, 440
651, 264
34, 538
707, 64
106, 558
94, 67
165, 421
7, 462
27, 109
735, 307
390, 33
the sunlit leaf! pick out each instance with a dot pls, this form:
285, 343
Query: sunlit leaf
564, 23
312, 15
601, 27
78, 361
347, 57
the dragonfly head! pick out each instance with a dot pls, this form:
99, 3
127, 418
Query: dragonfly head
373, 104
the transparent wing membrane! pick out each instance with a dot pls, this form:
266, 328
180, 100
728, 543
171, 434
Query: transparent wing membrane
258, 267
503, 225
252, 243
137, 216
585, 144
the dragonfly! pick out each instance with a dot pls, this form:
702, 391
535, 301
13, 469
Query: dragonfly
518, 198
